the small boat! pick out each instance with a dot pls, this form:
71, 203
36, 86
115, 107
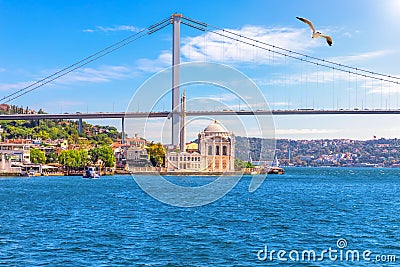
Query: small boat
276, 170
29, 173
91, 173
25, 174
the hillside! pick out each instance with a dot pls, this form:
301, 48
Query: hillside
58, 129
323, 152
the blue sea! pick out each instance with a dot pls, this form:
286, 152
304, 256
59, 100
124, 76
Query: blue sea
332, 212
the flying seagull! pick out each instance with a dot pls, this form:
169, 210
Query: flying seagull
316, 34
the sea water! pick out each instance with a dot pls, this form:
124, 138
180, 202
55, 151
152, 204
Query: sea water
308, 216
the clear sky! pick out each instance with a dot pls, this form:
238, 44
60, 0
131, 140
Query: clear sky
39, 38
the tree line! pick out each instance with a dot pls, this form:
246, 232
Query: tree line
59, 129
76, 159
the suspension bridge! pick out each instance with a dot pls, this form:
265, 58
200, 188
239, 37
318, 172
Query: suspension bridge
361, 77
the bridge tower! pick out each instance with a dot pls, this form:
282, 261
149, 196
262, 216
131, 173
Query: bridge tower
80, 125
176, 21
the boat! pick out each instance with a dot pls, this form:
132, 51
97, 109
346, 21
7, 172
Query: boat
29, 173
91, 173
25, 174
276, 170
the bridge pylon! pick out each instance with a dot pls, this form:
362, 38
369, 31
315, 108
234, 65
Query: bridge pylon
176, 127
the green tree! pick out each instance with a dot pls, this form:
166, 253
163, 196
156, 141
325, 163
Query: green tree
157, 154
37, 156
74, 159
82, 158
239, 164
249, 165
104, 153
102, 139
43, 135
73, 137
59, 129
52, 158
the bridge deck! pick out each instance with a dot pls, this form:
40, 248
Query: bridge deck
120, 115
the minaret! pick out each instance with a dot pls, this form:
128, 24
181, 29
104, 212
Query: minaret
183, 122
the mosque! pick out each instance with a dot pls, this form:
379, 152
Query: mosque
215, 152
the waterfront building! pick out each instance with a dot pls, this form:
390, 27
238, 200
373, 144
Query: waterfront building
217, 148
183, 161
137, 157
7, 166
215, 153
132, 153
120, 154
14, 155
16, 152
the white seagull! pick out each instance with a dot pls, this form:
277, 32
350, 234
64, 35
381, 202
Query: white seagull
316, 34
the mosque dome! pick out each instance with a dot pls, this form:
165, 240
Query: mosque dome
215, 127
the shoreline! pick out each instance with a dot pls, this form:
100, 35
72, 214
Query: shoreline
125, 173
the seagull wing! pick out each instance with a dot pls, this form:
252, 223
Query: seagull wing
328, 39
308, 22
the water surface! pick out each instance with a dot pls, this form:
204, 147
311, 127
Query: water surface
111, 221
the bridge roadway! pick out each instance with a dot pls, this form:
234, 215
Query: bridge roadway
121, 115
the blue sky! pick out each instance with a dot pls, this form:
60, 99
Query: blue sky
40, 37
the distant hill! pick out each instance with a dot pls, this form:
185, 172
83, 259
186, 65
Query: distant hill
252, 148
322, 152
59, 129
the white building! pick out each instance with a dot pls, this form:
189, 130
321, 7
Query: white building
183, 161
137, 157
17, 152
216, 152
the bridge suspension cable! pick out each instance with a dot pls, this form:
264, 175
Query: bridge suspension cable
99, 54
293, 54
212, 29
